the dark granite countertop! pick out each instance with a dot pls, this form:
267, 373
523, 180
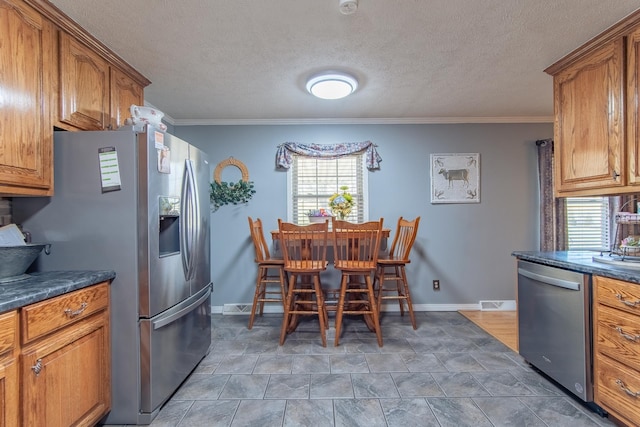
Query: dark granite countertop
40, 286
583, 261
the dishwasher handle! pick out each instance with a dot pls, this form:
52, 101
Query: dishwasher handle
553, 281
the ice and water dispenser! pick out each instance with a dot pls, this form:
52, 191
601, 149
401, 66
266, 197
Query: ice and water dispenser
169, 239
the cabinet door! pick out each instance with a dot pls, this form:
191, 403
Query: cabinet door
66, 376
9, 393
26, 70
84, 87
633, 106
124, 92
9, 389
589, 122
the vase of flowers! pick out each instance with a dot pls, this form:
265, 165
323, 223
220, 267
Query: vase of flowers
341, 203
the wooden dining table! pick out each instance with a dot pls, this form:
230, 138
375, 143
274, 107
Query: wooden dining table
386, 232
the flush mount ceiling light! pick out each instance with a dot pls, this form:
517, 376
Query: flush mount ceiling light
332, 85
347, 7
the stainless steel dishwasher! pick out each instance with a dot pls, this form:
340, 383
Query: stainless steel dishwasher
554, 325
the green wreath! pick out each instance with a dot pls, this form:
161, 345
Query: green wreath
229, 193
224, 193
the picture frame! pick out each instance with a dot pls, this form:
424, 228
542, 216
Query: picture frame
455, 178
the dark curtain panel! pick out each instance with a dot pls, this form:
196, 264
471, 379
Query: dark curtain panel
552, 210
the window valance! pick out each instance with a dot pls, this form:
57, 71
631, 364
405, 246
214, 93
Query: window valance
332, 151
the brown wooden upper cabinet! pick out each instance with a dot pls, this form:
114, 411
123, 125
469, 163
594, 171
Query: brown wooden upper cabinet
93, 95
596, 114
27, 69
124, 92
633, 108
84, 86
54, 73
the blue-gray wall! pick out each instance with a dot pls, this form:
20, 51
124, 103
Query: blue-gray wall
466, 246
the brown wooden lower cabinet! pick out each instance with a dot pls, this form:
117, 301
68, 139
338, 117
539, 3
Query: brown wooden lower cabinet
63, 376
616, 331
9, 390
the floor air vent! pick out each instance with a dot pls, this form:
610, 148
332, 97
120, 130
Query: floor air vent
497, 305
236, 309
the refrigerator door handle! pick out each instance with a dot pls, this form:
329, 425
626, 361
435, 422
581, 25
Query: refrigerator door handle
181, 313
188, 221
195, 216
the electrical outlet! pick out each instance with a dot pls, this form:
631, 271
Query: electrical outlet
436, 285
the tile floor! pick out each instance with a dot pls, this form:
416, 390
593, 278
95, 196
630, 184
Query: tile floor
448, 372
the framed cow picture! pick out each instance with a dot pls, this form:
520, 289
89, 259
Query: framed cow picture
455, 178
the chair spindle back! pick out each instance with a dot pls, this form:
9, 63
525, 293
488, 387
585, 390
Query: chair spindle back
406, 233
356, 244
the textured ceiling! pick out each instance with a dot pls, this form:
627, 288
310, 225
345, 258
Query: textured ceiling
418, 61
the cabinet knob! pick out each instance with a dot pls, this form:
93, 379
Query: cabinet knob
615, 175
37, 367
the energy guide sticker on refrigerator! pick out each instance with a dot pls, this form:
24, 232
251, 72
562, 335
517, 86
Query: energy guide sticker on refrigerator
109, 172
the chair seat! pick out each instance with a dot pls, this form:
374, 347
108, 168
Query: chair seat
306, 266
355, 265
272, 261
393, 261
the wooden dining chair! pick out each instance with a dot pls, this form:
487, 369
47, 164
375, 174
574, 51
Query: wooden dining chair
271, 280
391, 278
304, 248
355, 251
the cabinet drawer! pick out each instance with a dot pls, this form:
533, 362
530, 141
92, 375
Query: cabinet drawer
617, 389
616, 293
41, 318
618, 335
8, 326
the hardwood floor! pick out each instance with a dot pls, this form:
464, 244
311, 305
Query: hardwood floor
503, 325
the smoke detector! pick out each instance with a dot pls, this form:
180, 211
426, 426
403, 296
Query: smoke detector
347, 7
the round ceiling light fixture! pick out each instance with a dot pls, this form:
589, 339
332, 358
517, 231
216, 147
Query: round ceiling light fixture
347, 7
332, 85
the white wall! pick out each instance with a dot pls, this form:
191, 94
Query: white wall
466, 246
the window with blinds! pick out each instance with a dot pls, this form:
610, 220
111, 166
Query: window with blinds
588, 223
313, 180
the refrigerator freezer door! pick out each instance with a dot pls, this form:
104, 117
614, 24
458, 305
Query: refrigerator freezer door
172, 344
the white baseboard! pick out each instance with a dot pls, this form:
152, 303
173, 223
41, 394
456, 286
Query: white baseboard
245, 309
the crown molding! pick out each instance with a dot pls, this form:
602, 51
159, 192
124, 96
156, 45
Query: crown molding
359, 121
350, 121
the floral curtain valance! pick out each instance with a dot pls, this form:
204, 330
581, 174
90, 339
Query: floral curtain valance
283, 155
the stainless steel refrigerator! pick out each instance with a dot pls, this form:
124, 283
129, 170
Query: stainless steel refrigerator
136, 201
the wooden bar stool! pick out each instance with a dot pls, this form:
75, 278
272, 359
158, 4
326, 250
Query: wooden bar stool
355, 251
304, 248
271, 280
391, 278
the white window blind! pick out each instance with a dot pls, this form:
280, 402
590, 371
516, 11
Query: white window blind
313, 180
588, 223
